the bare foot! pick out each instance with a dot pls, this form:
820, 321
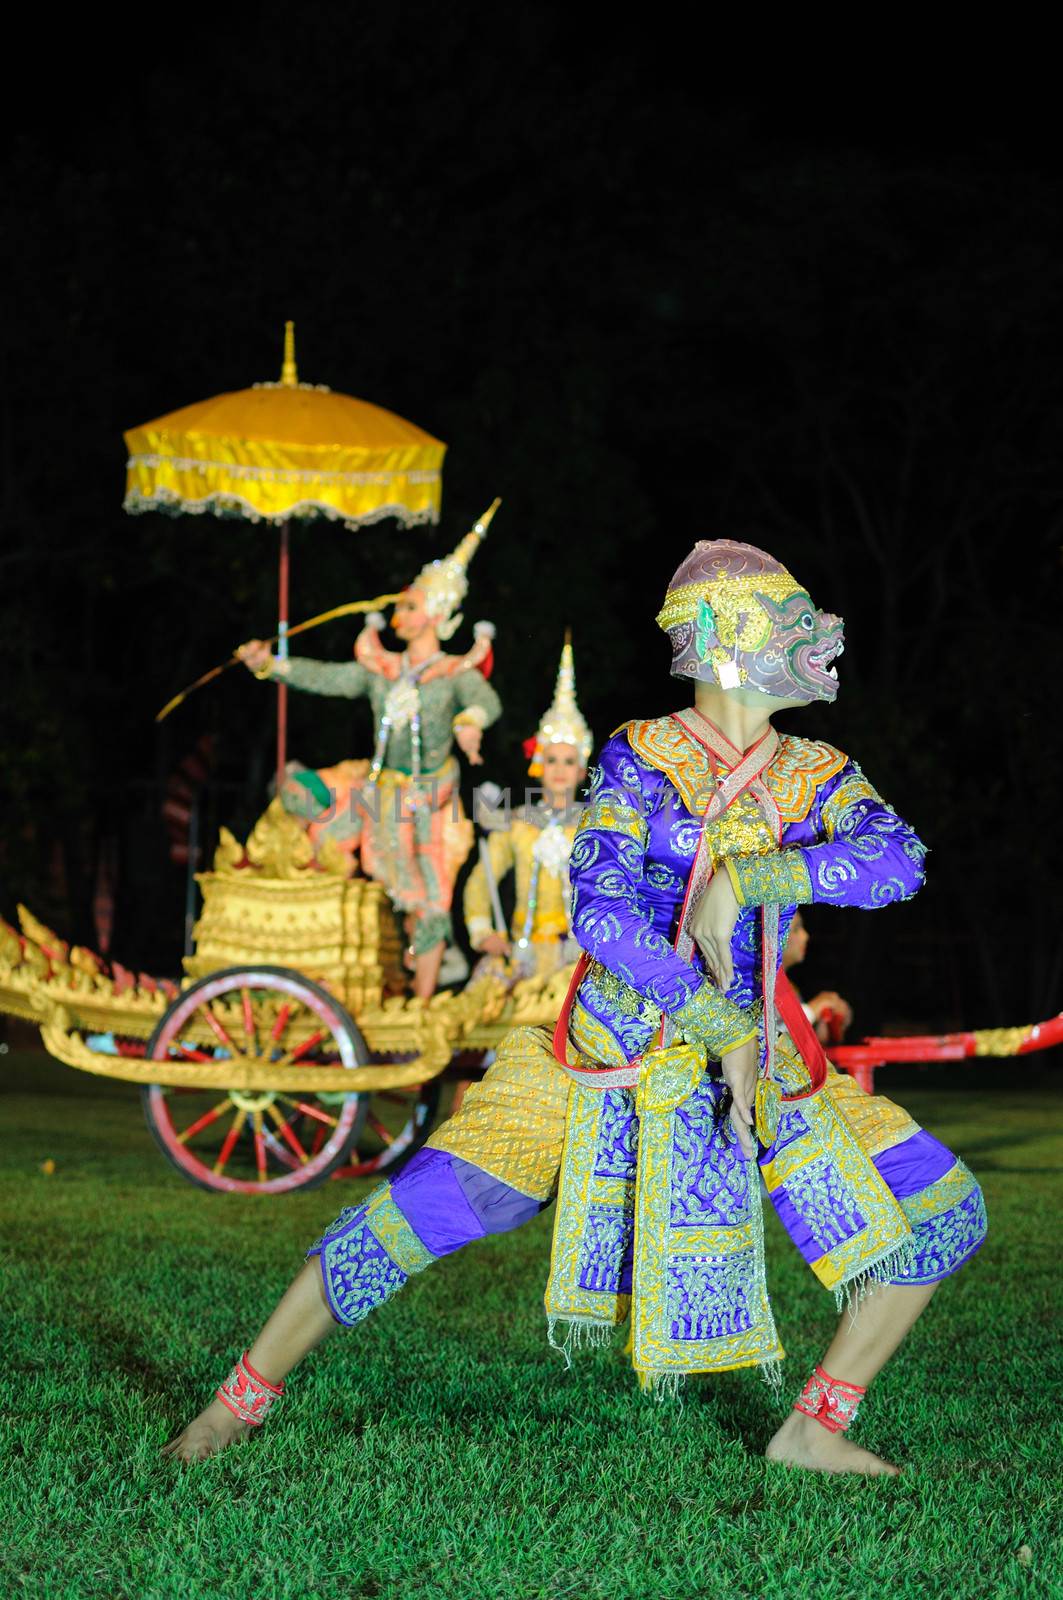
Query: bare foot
803, 1442
212, 1430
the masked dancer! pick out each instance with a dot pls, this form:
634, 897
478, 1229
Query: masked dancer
683, 1072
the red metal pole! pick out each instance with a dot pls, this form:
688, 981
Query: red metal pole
282, 654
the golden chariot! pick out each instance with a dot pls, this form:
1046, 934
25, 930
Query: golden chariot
289, 1052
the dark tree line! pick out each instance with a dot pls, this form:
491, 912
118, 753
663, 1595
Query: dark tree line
642, 317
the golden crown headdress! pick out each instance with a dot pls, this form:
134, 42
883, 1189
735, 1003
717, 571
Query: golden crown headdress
563, 723
444, 583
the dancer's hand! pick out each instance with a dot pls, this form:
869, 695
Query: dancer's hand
468, 736
740, 1075
714, 925
496, 944
254, 654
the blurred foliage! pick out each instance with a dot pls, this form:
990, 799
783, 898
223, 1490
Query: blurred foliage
642, 315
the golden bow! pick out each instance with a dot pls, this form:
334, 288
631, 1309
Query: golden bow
347, 610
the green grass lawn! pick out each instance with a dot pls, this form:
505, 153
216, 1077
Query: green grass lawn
442, 1449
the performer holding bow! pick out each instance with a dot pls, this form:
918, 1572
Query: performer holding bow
683, 1070
401, 812
535, 846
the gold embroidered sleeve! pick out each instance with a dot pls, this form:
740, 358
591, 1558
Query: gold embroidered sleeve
710, 1019
621, 996
609, 813
847, 794
781, 878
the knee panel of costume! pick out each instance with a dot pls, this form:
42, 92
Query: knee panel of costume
867, 1195
366, 1256
437, 1204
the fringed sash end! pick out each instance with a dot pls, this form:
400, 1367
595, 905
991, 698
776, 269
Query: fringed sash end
577, 1333
771, 1372
661, 1386
894, 1263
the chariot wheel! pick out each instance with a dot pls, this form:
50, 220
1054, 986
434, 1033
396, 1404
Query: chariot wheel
395, 1126
255, 1141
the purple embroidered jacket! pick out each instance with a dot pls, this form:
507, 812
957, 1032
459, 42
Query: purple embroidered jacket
841, 844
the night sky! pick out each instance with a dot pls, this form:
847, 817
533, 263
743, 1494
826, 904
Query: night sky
650, 288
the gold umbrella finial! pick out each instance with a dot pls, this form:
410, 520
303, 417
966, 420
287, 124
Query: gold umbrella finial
289, 371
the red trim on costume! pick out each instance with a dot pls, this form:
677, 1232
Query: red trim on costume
561, 1025
372, 655
369, 651
803, 1034
739, 755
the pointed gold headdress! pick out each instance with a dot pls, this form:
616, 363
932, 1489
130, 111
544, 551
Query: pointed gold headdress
444, 583
564, 722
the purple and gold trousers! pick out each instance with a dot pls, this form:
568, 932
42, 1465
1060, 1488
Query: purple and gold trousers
495, 1165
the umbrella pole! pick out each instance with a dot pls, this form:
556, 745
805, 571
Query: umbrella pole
282, 655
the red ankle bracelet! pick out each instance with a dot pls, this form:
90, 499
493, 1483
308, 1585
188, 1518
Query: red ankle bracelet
830, 1401
248, 1394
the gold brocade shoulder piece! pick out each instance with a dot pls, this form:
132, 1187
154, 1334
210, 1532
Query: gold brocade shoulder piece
800, 767
663, 744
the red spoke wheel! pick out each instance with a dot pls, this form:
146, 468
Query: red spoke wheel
397, 1123
255, 1141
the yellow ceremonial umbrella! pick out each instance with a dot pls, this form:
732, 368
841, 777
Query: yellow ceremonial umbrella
282, 450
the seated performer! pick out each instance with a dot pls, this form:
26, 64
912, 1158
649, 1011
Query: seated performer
535, 846
829, 1014
402, 812
683, 1072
